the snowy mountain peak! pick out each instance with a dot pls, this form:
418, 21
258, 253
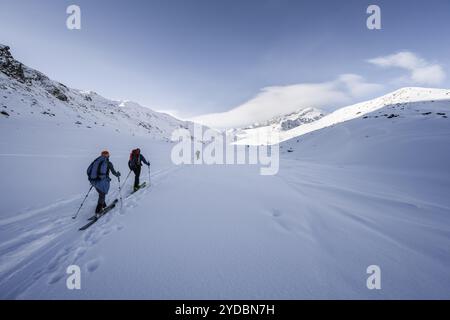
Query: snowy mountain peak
129, 104
28, 96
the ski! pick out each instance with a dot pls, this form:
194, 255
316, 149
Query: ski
141, 186
94, 218
105, 210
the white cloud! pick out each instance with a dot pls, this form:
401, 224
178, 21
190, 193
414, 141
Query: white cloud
279, 100
433, 74
357, 86
421, 71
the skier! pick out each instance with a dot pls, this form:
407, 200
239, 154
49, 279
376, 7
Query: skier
98, 175
197, 153
135, 164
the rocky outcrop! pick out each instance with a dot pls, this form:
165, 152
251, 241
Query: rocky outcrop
16, 70
9, 66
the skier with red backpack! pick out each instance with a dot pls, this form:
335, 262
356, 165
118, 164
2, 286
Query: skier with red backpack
135, 164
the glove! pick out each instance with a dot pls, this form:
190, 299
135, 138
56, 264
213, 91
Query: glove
118, 173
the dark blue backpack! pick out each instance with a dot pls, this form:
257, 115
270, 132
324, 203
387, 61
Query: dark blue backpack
93, 171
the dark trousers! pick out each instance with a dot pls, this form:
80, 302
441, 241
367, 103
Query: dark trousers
101, 203
137, 173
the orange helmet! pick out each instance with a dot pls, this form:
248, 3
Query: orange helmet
105, 153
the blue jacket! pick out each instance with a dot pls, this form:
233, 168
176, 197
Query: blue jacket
98, 174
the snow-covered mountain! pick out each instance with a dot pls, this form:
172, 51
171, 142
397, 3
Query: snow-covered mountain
291, 120
29, 96
367, 184
276, 125
403, 103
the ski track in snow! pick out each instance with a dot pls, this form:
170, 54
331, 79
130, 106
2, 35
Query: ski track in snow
318, 243
30, 255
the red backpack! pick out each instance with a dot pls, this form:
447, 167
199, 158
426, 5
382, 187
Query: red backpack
135, 159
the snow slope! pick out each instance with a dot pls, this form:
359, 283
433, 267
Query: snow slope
372, 189
49, 131
225, 232
27, 96
363, 192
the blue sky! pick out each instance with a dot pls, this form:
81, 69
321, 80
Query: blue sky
197, 57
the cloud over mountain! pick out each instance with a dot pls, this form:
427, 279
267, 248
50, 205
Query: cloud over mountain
420, 70
278, 100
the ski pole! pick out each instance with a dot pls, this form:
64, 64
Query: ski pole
76, 214
120, 194
149, 177
123, 184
